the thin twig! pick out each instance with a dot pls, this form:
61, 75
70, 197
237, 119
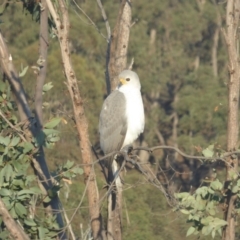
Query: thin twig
90, 20
105, 19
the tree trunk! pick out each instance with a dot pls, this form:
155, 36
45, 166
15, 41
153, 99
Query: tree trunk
119, 42
231, 38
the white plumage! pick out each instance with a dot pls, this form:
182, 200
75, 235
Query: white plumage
134, 113
122, 115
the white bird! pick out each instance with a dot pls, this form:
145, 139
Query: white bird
122, 115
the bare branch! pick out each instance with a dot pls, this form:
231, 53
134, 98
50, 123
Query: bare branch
131, 64
43, 49
62, 25
107, 77
105, 19
90, 20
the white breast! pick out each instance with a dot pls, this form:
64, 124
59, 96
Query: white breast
135, 115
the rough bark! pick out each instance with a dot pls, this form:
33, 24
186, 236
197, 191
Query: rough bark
15, 230
119, 42
38, 162
61, 19
231, 38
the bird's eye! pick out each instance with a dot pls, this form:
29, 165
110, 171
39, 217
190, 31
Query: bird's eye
128, 79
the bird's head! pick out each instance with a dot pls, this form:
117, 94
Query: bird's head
128, 78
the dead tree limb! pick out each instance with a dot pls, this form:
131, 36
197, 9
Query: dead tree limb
108, 29
61, 19
119, 42
42, 61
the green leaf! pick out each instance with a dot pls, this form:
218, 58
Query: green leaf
27, 147
206, 230
181, 195
6, 201
23, 72
54, 139
77, 170
216, 185
8, 170
206, 220
47, 86
4, 235
52, 123
25, 191
35, 190
47, 199
42, 232
203, 191
209, 151
5, 192
10, 106
13, 212
184, 211
190, 231
5, 140
15, 141
235, 189
6, 151
50, 131
68, 164
30, 222
213, 233
20, 210
212, 212
1, 177
219, 230
219, 222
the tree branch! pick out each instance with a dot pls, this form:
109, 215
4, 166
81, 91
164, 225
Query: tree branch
108, 82
43, 50
62, 26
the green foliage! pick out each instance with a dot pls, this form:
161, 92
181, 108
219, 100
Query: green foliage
208, 152
202, 209
18, 188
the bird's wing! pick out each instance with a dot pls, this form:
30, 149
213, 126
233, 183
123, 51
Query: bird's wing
113, 122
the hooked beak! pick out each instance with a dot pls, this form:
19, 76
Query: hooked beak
122, 81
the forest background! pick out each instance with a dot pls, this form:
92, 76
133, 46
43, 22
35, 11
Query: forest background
180, 56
